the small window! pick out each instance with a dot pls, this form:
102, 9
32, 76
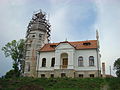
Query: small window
28, 53
80, 61
81, 75
44, 62
91, 75
40, 36
53, 62
63, 75
33, 35
42, 75
53, 46
91, 61
52, 75
87, 43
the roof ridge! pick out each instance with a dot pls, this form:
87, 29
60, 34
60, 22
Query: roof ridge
71, 41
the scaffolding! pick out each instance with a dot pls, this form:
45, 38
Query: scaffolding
39, 22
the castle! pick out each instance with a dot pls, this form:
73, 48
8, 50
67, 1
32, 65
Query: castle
63, 59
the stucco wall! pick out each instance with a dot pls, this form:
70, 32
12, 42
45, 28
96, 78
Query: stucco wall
48, 56
72, 58
85, 54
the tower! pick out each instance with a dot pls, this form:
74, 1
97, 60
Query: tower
38, 34
103, 69
98, 54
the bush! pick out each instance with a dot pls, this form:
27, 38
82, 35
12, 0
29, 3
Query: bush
12, 74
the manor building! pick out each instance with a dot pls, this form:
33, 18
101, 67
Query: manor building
63, 59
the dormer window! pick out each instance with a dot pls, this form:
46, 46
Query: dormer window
53, 46
87, 43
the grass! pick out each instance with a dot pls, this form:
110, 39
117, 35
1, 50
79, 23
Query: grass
60, 83
113, 83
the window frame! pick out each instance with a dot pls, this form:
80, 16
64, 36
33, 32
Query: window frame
42, 75
80, 61
91, 61
52, 75
63, 75
43, 62
53, 62
81, 75
92, 75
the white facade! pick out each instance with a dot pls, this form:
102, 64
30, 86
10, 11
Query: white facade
73, 56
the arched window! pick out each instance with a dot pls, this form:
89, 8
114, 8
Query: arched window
52, 62
91, 61
44, 62
80, 61
33, 36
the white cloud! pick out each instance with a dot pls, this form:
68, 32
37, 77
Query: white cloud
109, 26
64, 17
58, 22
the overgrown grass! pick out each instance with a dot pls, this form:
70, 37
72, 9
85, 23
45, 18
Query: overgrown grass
61, 83
113, 83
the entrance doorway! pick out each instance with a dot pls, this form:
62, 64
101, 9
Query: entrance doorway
64, 60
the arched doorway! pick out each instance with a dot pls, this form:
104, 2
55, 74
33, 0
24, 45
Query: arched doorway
64, 60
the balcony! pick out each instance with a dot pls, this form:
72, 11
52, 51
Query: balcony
63, 66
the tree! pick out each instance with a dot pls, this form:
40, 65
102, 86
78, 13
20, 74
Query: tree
11, 74
117, 67
15, 49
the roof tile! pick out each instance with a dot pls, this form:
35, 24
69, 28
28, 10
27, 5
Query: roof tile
78, 45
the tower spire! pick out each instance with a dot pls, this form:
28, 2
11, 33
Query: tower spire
97, 34
97, 37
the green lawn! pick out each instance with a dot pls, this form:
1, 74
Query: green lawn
60, 83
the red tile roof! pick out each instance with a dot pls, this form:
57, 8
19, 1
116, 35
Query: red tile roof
92, 44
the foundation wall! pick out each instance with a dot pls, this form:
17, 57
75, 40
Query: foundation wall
68, 73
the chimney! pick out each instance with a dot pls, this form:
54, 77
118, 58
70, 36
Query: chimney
103, 69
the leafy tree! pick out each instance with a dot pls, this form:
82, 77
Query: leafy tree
15, 49
117, 67
12, 74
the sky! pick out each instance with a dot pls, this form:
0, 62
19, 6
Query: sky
75, 20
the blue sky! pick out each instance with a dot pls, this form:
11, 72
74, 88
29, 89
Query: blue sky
75, 20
